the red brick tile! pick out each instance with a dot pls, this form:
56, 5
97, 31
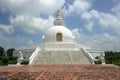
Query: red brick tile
60, 72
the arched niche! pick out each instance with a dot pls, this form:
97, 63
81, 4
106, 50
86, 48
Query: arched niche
59, 37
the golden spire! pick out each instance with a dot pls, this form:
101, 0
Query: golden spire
58, 21
58, 11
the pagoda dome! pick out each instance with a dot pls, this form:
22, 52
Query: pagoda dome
51, 34
58, 33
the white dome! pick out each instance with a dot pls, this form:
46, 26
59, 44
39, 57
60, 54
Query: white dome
50, 35
54, 30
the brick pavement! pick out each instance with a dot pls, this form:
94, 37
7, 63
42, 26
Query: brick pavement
60, 72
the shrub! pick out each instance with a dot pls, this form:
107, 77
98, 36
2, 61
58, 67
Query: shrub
1, 57
98, 62
5, 60
112, 57
97, 57
1, 51
12, 61
10, 52
1, 62
13, 58
25, 62
117, 62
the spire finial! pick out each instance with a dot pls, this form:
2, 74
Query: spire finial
58, 21
58, 11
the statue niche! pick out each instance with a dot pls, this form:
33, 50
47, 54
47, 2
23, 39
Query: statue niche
59, 37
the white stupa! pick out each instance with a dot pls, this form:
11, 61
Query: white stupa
58, 47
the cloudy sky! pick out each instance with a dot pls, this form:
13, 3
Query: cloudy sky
95, 23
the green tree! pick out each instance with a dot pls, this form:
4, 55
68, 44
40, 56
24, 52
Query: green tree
10, 52
5, 60
112, 57
1, 51
25, 62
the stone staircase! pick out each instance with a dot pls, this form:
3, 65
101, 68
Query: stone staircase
43, 57
77, 57
60, 57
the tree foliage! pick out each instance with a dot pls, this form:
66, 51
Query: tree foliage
9, 58
5, 60
25, 62
112, 57
98, 62
1, 51
10, 52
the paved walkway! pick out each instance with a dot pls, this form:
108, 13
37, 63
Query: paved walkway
60, 72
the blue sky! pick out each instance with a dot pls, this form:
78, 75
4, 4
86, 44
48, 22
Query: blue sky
94, 23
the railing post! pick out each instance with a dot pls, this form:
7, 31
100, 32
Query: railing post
88, 55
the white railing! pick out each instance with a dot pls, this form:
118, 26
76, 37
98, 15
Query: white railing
94, 51
59, 46
88, 55
33, 55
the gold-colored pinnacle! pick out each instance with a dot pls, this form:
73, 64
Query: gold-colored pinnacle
58, 11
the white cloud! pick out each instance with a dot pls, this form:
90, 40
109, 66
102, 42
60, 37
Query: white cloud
76, 33
104, 20
109, 20
7, 41
26, 16
89, 26
30, 7
27, 13
32, 24
95, 19
103, 41
8, 29
92, 14
116, 9
78, 7
16, 41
